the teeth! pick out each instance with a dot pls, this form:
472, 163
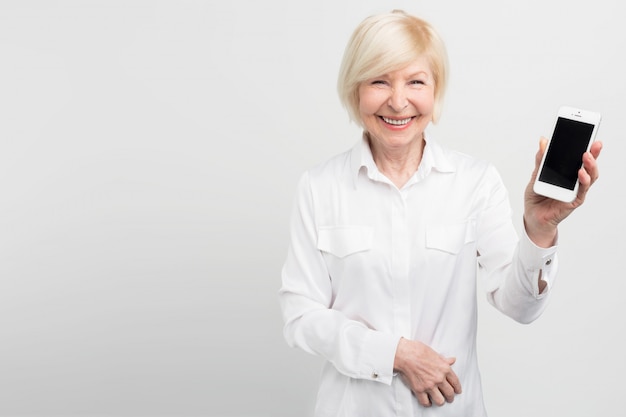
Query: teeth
396, 122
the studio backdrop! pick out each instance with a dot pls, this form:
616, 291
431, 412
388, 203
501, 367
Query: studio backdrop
149, 153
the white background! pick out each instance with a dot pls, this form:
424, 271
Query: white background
149, 152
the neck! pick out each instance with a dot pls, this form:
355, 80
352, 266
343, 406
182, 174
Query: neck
398, 164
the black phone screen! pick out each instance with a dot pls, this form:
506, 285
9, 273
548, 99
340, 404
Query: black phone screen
564, 159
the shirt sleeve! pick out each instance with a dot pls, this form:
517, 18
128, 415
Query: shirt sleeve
306, 299
512, 266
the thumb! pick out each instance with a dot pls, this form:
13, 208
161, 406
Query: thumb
543, 143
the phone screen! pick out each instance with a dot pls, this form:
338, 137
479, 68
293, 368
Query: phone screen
569, 143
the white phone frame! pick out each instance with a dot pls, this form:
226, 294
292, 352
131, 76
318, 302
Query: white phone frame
554, 191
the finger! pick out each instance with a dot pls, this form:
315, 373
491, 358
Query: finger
596, 148
436, 397
584, 179
590, 159
587, 175
590, 167
454, 382
582, 190
452, 379
423, 399
447, 391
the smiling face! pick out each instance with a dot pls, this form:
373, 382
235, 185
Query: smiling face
396, 107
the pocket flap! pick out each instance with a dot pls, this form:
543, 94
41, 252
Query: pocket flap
451, 237
342, 241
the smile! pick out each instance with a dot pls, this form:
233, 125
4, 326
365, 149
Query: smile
396, 122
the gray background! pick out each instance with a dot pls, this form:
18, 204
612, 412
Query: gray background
149, 151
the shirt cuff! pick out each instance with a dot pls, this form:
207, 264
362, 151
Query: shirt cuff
379, 357
537, 260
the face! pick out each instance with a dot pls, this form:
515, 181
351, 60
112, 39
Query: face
396, 107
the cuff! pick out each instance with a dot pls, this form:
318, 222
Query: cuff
537, 260
379, 356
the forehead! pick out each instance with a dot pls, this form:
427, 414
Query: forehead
419, 66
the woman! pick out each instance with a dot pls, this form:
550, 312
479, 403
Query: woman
380, 277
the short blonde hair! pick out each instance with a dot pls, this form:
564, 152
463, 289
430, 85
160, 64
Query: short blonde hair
388, 42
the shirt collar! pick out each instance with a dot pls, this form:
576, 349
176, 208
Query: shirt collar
434, 158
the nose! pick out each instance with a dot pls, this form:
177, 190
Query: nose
398, 100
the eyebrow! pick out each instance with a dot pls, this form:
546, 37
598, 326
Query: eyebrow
418, 73
415, 74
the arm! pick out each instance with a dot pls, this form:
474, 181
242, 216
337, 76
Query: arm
542, 215
510, 266
520, 287
306, 300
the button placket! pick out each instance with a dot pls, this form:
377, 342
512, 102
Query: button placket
400, 264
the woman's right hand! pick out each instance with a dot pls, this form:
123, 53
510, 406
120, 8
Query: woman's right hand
427, 373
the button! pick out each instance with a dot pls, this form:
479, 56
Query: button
549, 261
374, 375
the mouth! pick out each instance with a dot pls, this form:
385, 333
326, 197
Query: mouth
396, 122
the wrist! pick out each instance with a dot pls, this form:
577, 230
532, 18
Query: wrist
398, 360
543, 236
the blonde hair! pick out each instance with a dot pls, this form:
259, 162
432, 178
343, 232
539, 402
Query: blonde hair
388, 42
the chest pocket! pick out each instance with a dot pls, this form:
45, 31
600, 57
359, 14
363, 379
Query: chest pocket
451, 237
342, 241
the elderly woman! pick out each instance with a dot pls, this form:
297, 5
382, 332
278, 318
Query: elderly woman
380, 276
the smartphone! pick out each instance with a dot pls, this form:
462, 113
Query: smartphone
573, 134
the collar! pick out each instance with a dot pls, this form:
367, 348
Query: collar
434, 158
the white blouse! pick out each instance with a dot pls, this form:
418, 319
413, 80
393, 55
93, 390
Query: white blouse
369, 263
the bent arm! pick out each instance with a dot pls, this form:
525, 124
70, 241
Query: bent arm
306, 297
523, 290
518, 274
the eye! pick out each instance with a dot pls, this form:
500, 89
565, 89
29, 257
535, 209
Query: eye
417, 82
378, 82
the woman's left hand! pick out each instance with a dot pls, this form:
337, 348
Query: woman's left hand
542, 215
